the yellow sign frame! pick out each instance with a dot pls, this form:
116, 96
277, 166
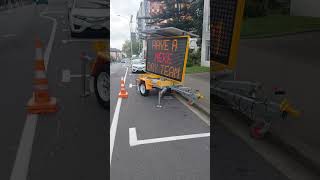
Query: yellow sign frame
232, 61
185, 56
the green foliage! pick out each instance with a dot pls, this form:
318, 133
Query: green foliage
277, 24
194, 58
197, 69
177, 16
126, 47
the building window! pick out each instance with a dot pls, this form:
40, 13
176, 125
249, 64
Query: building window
207, 50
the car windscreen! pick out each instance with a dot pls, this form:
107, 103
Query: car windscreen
136, 61
91, 4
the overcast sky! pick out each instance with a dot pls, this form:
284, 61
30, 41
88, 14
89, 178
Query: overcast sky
119, 26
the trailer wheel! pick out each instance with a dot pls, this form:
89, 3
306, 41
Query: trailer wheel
143, 90
101, 89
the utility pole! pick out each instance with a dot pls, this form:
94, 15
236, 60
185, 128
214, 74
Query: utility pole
131, 34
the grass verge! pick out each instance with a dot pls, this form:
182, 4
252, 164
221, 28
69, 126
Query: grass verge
278, 24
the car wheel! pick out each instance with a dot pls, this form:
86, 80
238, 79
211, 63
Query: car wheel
101, 82
143, 90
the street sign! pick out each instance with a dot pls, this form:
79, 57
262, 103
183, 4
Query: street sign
226, 16
167, 56
193, 43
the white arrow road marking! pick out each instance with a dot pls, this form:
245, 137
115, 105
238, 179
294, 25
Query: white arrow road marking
133, 140
114, 124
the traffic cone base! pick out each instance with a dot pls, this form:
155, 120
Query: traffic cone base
123, 94
42, 108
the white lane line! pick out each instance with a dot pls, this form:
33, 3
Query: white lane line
21, 164
133, 140
203, 117
47, 53
125, 76
114, 124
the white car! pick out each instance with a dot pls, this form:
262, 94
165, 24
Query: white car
138, 65
88, 15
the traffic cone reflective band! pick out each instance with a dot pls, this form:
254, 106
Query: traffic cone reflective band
123, 93
41, 102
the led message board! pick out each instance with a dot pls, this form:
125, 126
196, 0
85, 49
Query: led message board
167, 56
226, 16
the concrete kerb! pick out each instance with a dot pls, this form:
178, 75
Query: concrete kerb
278, 34
200, 107
276, 140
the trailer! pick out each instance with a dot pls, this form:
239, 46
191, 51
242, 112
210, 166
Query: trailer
246, 97
166, 58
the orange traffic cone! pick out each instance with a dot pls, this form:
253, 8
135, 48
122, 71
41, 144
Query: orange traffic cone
40, 102
123, 93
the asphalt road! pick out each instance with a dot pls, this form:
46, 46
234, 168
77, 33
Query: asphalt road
180, 159
69, 144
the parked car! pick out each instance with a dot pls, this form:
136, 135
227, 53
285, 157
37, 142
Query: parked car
88, 15
138, 65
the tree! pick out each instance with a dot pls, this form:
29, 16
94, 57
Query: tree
182, 14
126, 47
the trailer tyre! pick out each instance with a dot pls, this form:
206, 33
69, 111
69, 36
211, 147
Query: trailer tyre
142, 89
101, 82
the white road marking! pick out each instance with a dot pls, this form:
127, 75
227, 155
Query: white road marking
52, 36
125, 76
21, 164
133, 140
114, 124
131, 85
203, 117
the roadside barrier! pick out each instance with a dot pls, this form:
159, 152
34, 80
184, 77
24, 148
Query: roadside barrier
123, 93
41, 102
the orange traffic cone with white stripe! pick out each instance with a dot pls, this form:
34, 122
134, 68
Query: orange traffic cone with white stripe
123, 93
40, 102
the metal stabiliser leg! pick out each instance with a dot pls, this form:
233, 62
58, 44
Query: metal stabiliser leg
159, 97
84, 60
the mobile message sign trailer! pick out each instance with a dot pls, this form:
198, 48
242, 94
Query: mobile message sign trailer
166, 59
243, 96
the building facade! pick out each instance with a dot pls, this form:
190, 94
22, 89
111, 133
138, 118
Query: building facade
205, 47
115, 54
